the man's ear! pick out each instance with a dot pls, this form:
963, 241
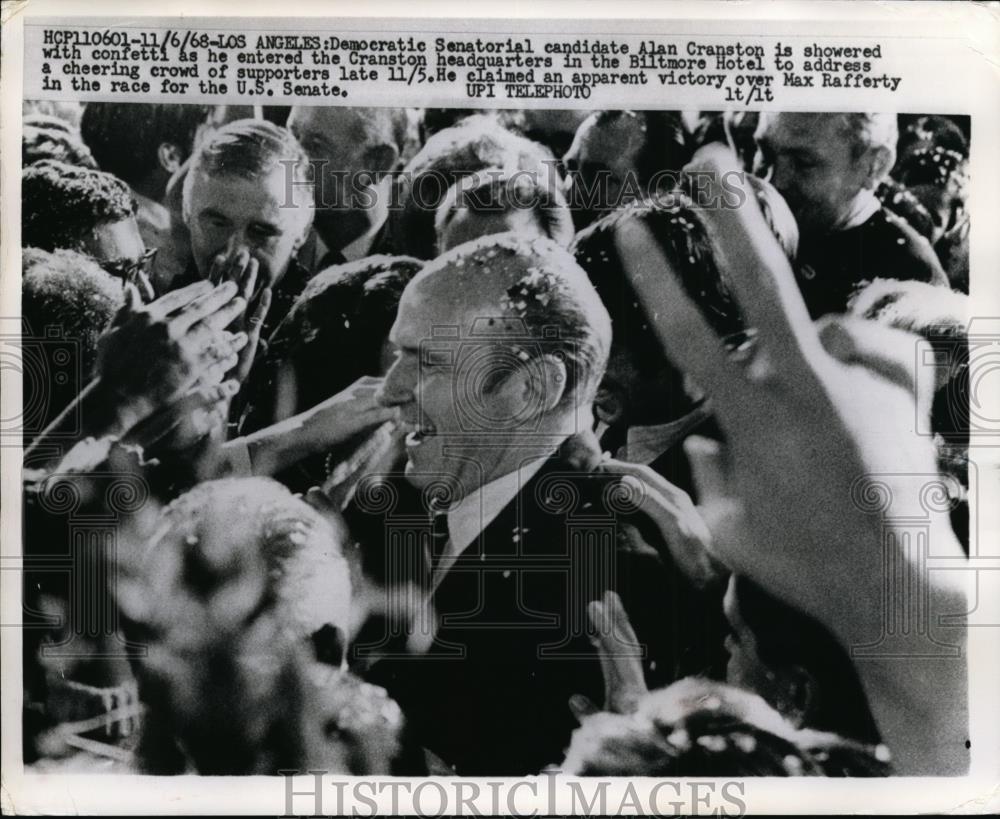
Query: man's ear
609, 406
881, 160
381, 158
170, 157
538, 385
546, 382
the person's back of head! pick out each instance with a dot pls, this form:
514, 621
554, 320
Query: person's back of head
474, 144
938, 178
142, 143
931, 131
67, 302
336, 332
62, 205
494, 201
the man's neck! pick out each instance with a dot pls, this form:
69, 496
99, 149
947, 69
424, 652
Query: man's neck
860, 210
541, 441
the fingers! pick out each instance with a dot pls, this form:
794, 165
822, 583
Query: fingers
619, 652
708, 467
133, 302
215, 272
204, 398
235, 266
682, 528
893, 354
145, 287
688, 341
256, 320
178, 299
749, 253
248, 279
213, 307
255, 324
581, 707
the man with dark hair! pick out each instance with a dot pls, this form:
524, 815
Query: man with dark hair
146, 144
142, 143
73, 208
249, 190
644, 403
474, 144
618, 157
502, 344
354, 153
493, 201
828, 167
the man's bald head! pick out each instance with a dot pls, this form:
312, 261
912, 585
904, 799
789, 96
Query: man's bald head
528, 289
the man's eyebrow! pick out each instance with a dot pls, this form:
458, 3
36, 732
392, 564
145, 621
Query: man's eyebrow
215, 214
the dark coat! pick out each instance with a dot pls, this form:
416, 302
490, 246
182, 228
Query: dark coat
490, 696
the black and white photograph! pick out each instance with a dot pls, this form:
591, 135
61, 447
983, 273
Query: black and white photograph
487, 442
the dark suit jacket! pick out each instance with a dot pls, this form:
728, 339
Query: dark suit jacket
490, 696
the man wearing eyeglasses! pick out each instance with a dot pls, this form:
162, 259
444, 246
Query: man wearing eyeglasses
66, 207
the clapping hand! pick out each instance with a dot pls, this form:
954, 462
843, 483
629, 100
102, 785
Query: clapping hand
155, 353
240, 267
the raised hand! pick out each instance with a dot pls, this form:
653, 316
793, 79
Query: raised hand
240, 267
805, 430
330, 423
154, 354
620, 654
348, 413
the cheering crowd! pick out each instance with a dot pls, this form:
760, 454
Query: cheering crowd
440, 441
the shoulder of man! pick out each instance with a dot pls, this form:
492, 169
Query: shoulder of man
572, 489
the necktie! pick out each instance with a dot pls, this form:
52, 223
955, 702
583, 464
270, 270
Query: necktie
439, 538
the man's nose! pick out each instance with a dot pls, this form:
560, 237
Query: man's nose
238, 241
397, 388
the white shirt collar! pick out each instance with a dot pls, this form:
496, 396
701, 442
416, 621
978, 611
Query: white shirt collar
469, 518
864, 206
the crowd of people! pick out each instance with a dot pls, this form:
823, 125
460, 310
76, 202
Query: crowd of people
397, 441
